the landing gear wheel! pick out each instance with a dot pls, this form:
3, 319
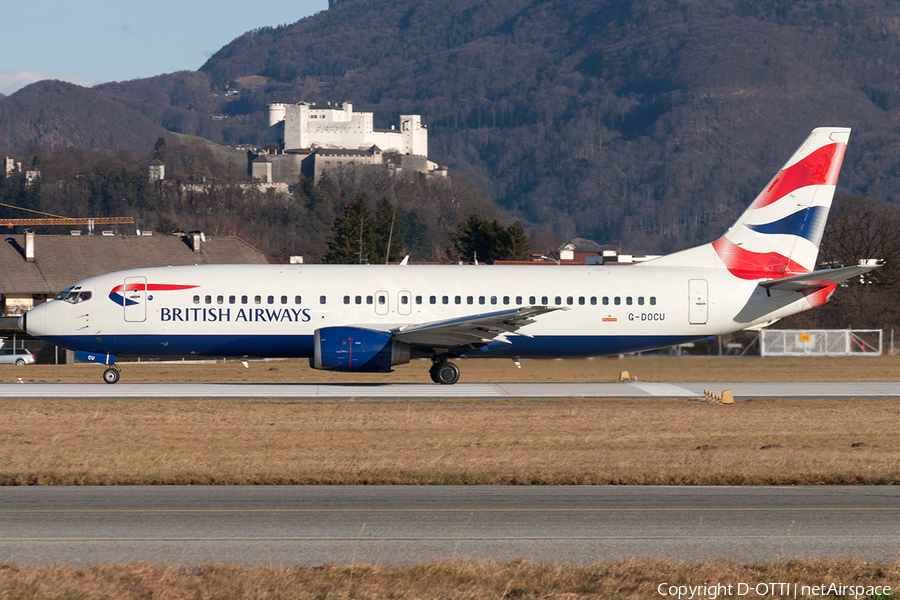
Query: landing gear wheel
445, 373
111, 375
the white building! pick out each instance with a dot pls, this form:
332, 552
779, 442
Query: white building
306, 126
313, 139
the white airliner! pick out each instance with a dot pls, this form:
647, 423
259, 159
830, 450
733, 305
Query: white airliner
369, 318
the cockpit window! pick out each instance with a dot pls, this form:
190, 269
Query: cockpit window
73, 295
63, 294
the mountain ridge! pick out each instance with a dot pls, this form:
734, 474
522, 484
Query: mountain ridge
650, 124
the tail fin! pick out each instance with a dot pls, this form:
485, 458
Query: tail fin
779, 235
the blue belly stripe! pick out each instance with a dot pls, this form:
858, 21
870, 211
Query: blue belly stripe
301, 346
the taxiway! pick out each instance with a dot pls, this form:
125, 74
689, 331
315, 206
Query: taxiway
309, 525
125, 390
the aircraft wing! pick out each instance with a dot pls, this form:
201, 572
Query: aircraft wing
472, 329
817, 279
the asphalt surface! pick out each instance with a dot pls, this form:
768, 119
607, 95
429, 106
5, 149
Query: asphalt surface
283, 525
125, 390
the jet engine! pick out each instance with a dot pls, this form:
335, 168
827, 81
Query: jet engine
357, 349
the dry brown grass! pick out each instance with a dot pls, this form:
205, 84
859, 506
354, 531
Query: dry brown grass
566, 441
647, 368
626, 580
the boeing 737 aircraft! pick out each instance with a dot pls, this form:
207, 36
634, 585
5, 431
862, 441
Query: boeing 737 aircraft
369, 318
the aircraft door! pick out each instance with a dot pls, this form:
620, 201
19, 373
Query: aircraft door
382, 304
404, 303
135, 294
698, 297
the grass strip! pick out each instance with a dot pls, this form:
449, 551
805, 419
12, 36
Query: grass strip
505, 441
625, 580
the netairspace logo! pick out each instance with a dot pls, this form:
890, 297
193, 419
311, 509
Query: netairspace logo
777, 589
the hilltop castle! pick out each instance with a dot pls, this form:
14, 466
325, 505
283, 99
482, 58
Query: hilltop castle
311, 139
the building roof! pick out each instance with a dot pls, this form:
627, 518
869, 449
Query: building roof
61, 260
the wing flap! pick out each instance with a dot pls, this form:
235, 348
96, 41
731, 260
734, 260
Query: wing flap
472, 329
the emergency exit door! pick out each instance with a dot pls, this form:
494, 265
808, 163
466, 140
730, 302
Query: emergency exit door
698, 292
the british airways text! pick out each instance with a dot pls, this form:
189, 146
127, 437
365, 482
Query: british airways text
247, 315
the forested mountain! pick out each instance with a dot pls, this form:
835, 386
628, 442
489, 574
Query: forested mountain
650, 124
56, 113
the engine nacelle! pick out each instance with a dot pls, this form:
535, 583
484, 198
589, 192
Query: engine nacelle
357, 349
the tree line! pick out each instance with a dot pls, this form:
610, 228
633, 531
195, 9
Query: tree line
350, 215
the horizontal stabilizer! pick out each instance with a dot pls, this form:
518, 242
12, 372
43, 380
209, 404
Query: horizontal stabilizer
817, 279
472, 329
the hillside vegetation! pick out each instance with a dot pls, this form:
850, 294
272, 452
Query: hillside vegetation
646, 124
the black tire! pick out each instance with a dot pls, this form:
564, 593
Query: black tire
111, 376
20, 361
446, 373
433, 372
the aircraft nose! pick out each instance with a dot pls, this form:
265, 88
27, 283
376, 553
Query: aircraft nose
22, 321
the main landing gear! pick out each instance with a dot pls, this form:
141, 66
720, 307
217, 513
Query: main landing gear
111, 375
444, 372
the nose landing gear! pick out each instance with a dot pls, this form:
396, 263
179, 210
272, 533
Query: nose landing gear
111, 375
444, 372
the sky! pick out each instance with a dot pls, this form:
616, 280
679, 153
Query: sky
96, 41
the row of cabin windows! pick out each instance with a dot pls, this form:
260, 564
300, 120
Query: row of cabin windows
545, 300
256, 300
382, 299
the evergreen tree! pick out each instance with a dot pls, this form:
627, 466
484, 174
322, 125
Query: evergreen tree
488, 241
519, 244
351, 240
386, 229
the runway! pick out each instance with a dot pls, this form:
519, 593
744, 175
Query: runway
286, 525
125, 390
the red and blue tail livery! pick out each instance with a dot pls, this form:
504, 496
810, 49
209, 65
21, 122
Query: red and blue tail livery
370, 318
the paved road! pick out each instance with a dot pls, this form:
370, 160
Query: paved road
460, 390
275, 525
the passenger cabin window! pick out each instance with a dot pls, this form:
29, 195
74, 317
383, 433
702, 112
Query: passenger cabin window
532, 300
569, 300
418, 299
445, 299
404, 300
458, 299
605, 300
257, 299
652, 300
617, 301
321, 299
628, 300
580, 300
640, 300
505, 299
558, 300
208, 299
232, 299
470, 299
545, 300
296, 299
480, 299
518, 299
370, 300
196, 299
432, 299
243, 299
271, 299
284, 299
346, 299
220, 299
358, 299
593, 300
